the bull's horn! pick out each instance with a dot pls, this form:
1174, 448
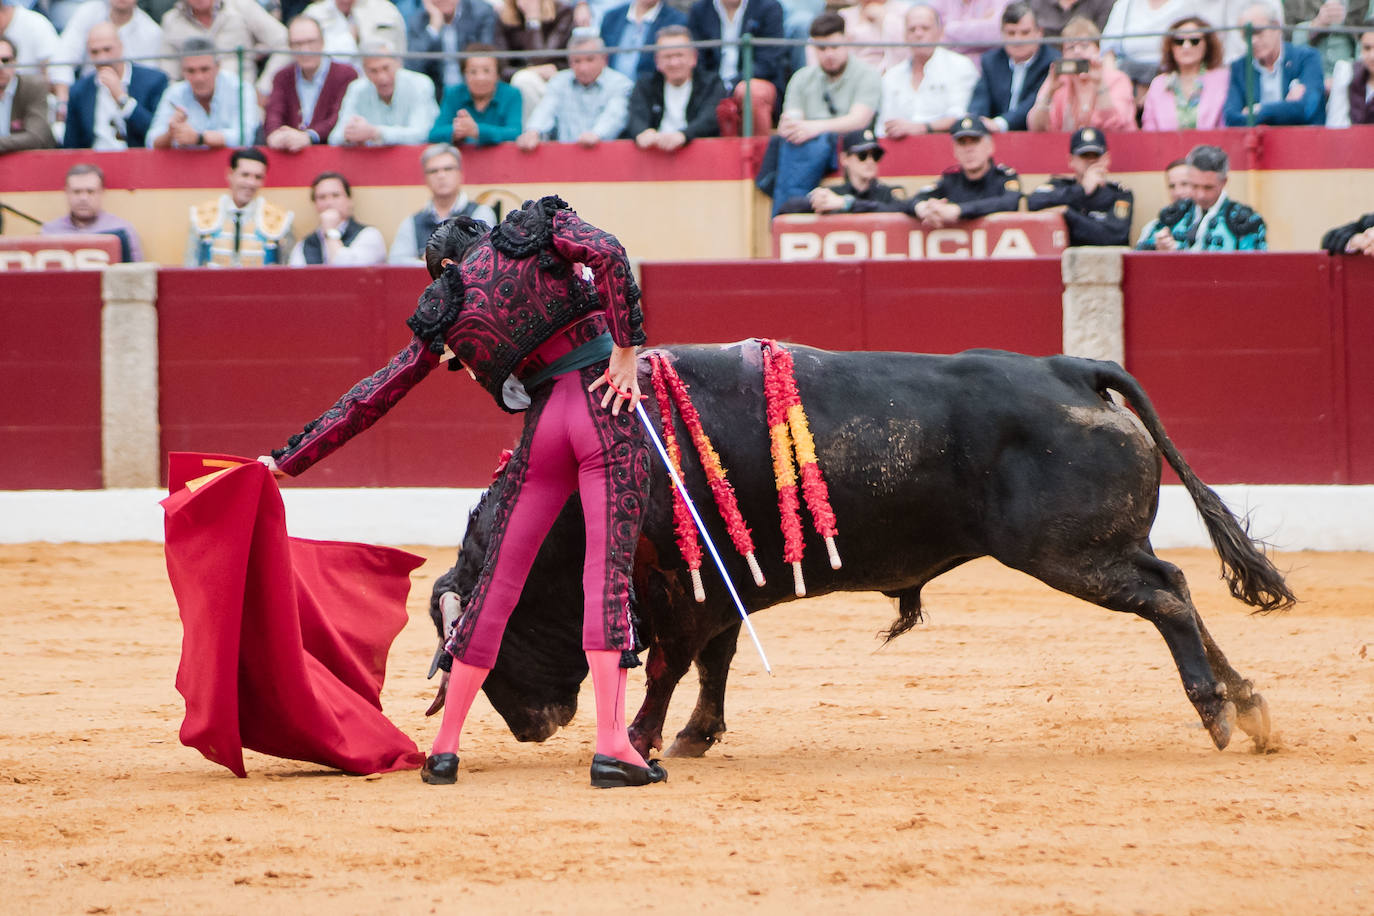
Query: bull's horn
438, 702
450, 606
434, 665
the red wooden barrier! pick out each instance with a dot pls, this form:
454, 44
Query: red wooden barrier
923, 306
50, 379
1241, 354
1354, 287
249, 357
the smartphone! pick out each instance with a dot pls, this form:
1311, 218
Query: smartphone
1063, 67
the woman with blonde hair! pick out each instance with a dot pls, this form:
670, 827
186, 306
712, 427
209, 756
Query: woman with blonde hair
1083, 89
533, 25
1191, 92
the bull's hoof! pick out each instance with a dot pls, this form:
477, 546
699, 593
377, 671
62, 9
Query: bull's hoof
1253, 719
440, 769
1219, 725
692, 744
609, 773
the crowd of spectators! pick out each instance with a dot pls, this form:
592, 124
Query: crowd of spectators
368, 72
113, 74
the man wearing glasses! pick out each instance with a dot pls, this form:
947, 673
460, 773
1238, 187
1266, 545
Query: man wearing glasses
305, 100
443, 166
23, 107
860, 153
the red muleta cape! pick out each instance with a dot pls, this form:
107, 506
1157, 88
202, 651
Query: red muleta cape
285, 640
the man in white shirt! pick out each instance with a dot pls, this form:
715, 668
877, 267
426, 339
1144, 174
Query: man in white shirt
140, 35
443, 166
349, 23
387, 105
930, 91
340, 241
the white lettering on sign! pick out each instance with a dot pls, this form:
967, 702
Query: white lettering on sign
858, 245
55, 259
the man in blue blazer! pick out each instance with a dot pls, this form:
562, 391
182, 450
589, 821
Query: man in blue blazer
111, 107
759, 18
1287, 79
1022, 63
637, 23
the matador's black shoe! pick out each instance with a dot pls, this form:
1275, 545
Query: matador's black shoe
440, 769
609, 773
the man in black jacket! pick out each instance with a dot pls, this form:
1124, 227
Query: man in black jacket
1097, 210
1353, 238
1012, 74
677, 103
860, 153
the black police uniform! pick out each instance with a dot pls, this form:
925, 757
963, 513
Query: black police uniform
1335, 240
1100, 218
998, 191
876, 192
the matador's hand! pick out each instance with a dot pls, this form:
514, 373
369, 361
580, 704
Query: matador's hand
621, 379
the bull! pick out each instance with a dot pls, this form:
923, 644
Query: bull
931, 461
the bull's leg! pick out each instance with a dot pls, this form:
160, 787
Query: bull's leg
1141, 583
707, 722
665, 666
1252, 712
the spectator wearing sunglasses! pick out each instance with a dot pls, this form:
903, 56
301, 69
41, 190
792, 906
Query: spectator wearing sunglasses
1191, 92
860, 153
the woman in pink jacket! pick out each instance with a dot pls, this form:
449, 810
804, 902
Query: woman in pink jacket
1083, 89
1191, 92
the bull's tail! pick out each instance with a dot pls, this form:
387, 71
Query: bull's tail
1250, 575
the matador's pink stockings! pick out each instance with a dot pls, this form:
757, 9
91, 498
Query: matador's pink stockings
608, 683
463, 685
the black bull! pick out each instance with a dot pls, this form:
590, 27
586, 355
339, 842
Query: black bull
931, 461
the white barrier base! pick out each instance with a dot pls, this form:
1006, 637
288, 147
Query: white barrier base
1288, 517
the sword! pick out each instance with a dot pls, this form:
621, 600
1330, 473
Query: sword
710, 545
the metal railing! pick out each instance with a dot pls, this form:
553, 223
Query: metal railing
748, 48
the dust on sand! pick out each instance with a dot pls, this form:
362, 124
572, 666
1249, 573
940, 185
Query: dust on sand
1022, 752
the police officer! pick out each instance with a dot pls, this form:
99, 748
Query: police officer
860, 153
975, 187
1096, 209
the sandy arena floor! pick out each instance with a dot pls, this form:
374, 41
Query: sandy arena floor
1021, 753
